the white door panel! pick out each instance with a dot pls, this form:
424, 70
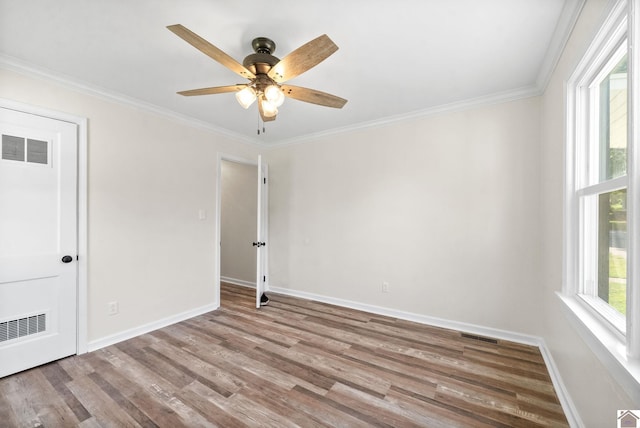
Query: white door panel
38, 226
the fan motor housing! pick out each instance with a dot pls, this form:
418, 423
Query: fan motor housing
261, 61
263, 45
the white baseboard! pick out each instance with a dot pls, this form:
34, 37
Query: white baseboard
238, 282
422, 319
563, 395
570, 410
146, 328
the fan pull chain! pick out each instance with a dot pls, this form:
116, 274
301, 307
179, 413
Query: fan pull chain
263, 127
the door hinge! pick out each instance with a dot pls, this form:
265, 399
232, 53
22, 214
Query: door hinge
264, 279
264, 180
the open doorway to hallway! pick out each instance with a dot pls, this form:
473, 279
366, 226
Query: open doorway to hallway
238, 224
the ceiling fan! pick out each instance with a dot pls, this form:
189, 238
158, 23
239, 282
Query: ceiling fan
266, 73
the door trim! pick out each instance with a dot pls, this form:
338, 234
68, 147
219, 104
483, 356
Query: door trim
82, 262
218, 244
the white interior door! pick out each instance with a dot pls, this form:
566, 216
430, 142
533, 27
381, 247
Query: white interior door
38, 240
261, 241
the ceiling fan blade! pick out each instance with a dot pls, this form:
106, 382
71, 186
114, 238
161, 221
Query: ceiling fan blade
208, 49
302, 59
212, 90
313, 96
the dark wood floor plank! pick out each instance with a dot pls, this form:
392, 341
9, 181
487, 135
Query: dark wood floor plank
292, 363
36, 397
104, 410
212, 377
534, 369
259, 366
293, 334
331, 369
58, 378
257, 328
455, 366
146, 390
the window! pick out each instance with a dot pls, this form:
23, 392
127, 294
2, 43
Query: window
601, 189
601, 288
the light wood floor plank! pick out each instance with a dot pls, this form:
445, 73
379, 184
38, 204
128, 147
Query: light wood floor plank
292, 363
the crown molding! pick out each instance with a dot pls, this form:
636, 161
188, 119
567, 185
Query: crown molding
21, 67
491, 99
564, 27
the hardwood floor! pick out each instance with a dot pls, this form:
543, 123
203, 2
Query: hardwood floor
292, 363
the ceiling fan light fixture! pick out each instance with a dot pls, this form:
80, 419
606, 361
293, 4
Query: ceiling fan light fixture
266, 73
274, 95
246, 97
268, 108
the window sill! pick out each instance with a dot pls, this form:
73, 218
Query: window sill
606, 344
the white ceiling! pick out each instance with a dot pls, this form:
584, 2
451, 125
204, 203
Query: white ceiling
396, 58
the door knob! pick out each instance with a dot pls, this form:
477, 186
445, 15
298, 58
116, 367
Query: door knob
67, 259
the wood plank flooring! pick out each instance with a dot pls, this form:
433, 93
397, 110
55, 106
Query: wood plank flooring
291, 363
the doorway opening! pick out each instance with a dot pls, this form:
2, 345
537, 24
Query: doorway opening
240, 213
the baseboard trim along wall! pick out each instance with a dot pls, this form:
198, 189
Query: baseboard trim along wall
563, 395
94, 345
238, 282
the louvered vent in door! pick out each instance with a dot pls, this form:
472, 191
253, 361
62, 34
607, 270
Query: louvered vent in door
21, 327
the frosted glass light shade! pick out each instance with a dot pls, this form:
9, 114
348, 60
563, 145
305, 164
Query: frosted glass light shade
268, 108
246, 97
274, 95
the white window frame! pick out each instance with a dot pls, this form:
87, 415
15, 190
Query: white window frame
617, 345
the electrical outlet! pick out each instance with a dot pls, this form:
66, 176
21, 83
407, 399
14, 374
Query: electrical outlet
112, 308
385, 287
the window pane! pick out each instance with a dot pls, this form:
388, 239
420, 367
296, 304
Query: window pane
612, 249
613, 122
